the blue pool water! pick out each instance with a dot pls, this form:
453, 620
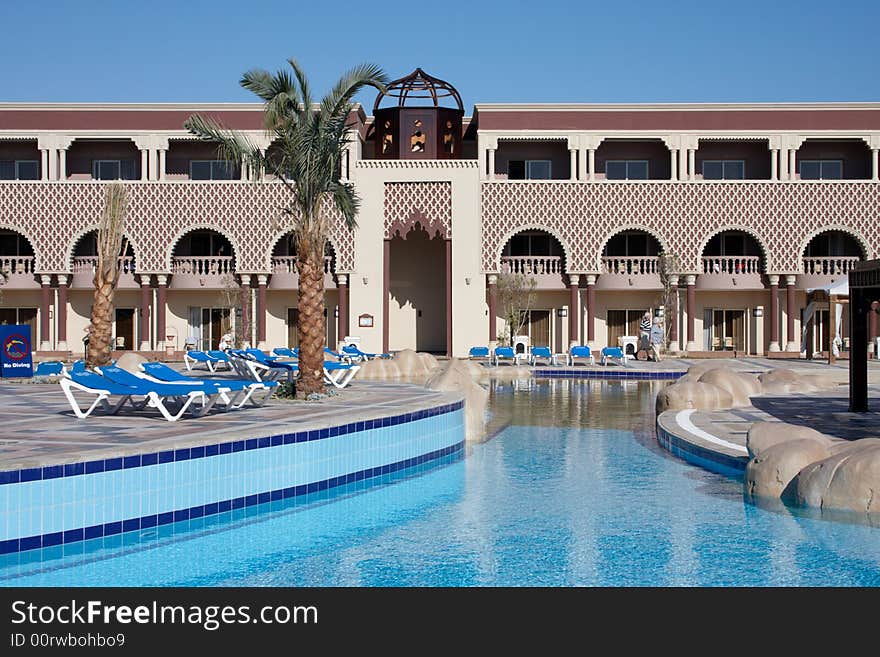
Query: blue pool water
571, 490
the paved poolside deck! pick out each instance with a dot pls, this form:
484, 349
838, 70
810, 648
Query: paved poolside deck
37, 427
721, 435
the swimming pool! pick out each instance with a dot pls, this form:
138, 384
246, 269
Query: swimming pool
571, 490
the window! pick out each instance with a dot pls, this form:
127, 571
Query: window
19, 170
529, 170
211, 170
724, 170
626, 169
113, 169
821, 169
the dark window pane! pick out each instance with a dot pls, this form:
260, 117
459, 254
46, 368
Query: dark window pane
28, 169
200, 170
222, 170
516, 170
127, 170
107, 170
7, 170
538, 170
615, 170
637, 171
734, 170
832, 170
713, 170
811, 170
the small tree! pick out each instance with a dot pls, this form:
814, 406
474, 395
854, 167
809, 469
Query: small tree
516, 296
231, 300
668, 266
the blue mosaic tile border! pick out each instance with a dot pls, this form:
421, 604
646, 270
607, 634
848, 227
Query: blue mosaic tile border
708, 459
609, 374
146, 522
204, 451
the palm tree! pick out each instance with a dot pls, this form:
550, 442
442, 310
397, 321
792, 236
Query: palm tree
112, 244
310, 141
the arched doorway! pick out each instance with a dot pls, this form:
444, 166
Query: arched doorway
732, 252
417, 292
17, 269
831, 253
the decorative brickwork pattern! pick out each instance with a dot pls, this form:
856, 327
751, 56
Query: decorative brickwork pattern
429, 203
54, 216
783, 217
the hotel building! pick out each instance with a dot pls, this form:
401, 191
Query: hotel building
754, 204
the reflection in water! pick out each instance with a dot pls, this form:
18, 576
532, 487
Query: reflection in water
571, 490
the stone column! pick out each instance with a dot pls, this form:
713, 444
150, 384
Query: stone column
262, 280
161, 301
582, 164
574, 333
145, 313
792, 164
791, 340
44, 164
45, 310
63, 287
774, 312
783, 164
449, 297
145, 167
591, 163
591, 309
492, 285
62, 164
691, 166
243, 176
342, 284
673, 164
161, 171
491, 163
386, 292
774, 164
246, 308
682, 164
690, 281
53, 163
872, 328
671, 315
572, 158
875, 167
153, 157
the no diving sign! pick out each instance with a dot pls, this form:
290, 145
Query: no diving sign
15, 351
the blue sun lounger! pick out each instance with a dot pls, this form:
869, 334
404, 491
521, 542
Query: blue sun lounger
221, 357
354, 352
541, 353
161, 373
476, 353
286, 352
613, 353
583, 352
193, 358
504, 355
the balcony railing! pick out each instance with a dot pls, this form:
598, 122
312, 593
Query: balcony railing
631, 265
88, 264
17, 265
203, 265
287, 264
829, 266
532, 265
732, 265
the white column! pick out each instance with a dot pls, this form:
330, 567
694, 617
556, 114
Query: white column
792, 343
691, 159
145, 156
682, 164
773, 279
161, 164
690, 280
153, 155
572, 159
61, 345
591, 163
673, 164
582, 159
161, 280
62, 164
783, 164
774, 167
491, 164
874, 165
44, 164
673, 317
244, 170
53, 164
792, 164
45, 342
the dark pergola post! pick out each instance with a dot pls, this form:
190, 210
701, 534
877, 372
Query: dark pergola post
858, 358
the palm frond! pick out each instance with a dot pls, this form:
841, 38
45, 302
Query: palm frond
338, 100
231, 146
347, 202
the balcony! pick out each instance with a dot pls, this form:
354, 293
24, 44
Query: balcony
84, 273
198, 272
629, 272
19, 272
819, 271
285, 276
546, 270
731, 272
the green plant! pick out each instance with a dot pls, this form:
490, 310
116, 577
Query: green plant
516, 294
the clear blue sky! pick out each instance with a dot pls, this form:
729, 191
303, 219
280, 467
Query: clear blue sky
511, 51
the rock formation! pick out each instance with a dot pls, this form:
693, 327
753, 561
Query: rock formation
456, 377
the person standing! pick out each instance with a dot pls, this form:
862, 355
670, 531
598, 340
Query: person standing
656, 339
645, 331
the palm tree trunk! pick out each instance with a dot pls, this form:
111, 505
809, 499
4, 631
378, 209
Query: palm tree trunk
311, 323
101, 333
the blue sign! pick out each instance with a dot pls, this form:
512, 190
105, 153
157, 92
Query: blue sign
15, 351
